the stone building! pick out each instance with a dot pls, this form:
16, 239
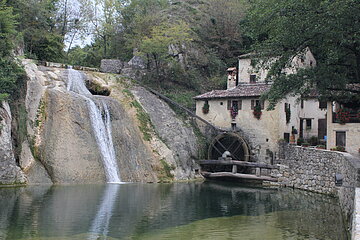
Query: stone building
344, 125
239, 108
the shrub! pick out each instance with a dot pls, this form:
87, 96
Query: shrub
257, 112
305, 144
10, 75
313, 141
300, 141
338, 148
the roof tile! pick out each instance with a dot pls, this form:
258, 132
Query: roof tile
243, 90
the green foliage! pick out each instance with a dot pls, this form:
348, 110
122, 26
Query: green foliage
156, 46
10, 77
21, 131
165, 174
7, 28
201, 140
46, 46
40, 114
284, 28
144, 120
313, 140
128, 93
37, 23
338, 148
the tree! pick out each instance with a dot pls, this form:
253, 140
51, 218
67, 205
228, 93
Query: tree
37, 24
220, 28
330, 28
162, 37
7, 28
104, 18
70, 21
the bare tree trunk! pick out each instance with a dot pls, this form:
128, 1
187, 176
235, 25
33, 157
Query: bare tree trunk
71, 41
64, 27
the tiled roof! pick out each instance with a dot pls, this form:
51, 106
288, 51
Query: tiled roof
243, 90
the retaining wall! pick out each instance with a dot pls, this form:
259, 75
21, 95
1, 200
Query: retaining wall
314, 170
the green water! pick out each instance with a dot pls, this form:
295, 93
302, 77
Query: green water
209, 210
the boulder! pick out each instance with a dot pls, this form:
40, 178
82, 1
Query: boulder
111, 66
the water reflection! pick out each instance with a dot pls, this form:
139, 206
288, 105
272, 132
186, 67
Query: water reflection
100, 225
132, 211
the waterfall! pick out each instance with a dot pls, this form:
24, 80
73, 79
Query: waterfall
101, 124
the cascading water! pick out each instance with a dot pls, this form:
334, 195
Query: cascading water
100, 121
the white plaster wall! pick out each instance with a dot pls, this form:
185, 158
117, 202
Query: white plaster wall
245, 68
352, 133
311, 110
263, 133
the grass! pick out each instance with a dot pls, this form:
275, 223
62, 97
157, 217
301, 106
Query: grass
41, 114
164, 174
201, 140
144, 120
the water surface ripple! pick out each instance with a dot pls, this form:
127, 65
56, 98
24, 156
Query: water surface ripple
209, 210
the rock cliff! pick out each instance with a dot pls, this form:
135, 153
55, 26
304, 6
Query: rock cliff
60, 146
9, 172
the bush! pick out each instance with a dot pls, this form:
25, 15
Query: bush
10, 75
313, 140
305, 144
338, 148
300, 141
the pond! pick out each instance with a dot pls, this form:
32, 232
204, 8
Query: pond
197, 210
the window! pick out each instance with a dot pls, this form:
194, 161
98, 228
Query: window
237, 103
341, 138
302, 103
257, 103
322, 104
252, 78
287, 137
221, 103
308, 123
286, 106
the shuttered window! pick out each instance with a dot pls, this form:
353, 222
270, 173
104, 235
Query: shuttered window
240, 104
257, 103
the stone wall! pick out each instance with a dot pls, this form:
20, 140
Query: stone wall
355, 233
314, 170
352, 133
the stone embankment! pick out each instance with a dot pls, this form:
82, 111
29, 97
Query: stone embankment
318, 171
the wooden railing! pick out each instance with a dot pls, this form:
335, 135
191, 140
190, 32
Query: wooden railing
234, 173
